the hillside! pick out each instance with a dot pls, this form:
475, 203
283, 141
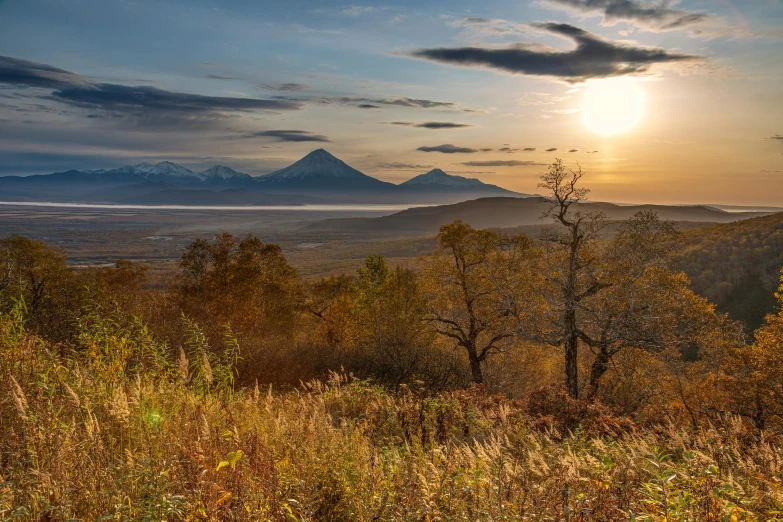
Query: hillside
500, 212
736, 265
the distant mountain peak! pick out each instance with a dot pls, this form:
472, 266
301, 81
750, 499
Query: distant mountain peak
221, 172
319, 166
164, 168
439, 177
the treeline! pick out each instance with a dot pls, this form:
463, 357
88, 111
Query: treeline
609, 322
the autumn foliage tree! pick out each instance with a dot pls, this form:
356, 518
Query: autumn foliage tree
247, 283
248, 286
461, 282
38, 275
605, 296
374, 325
754, 374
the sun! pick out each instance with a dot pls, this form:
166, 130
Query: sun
614, 106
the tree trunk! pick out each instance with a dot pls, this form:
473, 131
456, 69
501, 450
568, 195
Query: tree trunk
571, 354
475, 365
599, 367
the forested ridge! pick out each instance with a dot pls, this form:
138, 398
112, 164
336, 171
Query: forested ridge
567, 376
736, 265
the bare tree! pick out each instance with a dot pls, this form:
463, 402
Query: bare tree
574, 264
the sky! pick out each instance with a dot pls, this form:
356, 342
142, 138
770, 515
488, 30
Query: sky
665, 102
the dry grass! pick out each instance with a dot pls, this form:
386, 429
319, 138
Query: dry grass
116, 431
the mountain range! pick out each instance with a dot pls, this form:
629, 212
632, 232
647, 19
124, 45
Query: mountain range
319, 177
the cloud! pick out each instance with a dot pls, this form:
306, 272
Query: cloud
502, 163
448, 149
77, 91
442, 125
551, 150
655, 17
511, 149
592, 152
432, 125
394, 165
299, 28
284, 86
221, 77
533, 101
574, 150
124, 98
593, 56
357, 10
776, 137
413, 102
15, 71
478, 27
294, 136
397, 101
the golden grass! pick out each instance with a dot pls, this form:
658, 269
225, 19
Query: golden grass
110, 431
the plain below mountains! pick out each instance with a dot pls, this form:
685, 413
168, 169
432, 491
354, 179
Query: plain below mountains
319, 177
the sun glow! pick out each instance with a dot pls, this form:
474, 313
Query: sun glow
613, 106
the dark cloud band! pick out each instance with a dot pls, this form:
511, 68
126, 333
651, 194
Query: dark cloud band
593, 57
502, 163
76, 90
448, 149
295, 136
284, 86
122, 97
432, 125
15, 71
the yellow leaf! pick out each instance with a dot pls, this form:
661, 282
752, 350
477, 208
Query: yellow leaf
222, 500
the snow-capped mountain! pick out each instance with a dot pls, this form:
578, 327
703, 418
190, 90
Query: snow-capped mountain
320, 170
164, 168
438, 177
221, 172
171, 172
319, 176
437, 182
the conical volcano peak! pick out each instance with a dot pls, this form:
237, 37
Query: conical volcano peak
322, 155
319, 165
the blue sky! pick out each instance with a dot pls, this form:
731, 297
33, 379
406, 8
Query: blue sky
363, 80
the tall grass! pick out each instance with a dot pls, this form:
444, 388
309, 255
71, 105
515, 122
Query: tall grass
121, 427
